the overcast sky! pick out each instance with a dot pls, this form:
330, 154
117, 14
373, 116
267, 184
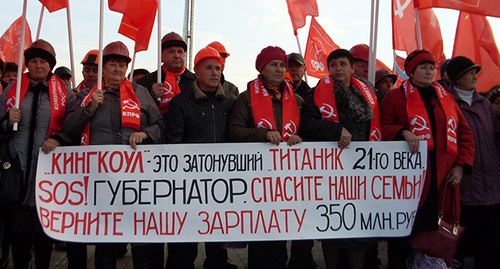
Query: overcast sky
244, 27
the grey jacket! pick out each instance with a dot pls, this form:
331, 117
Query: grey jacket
106, 121
19, 141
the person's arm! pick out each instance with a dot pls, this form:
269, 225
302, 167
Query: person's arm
241, 127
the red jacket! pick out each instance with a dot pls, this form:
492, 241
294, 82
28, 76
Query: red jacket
394, 118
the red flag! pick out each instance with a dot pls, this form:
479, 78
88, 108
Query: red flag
474, 40
404, 32
299, 9
11, 39
138, 20
54, 5
399, 69
319, 45
481, 7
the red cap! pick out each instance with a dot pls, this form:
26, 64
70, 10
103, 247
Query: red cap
116, 48
269, 54
207, 53
360, 52
219, 47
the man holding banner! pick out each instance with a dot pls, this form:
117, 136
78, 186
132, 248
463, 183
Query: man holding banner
342, 108
43, 102
207, 97
268, 111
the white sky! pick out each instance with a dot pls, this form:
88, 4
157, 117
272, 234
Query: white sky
244, 27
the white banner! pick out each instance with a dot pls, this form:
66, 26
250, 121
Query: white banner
229, 192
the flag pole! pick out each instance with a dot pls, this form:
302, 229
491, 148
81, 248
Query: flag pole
132, 67
40, 23
71, 53
300, 51
373, 41
20, 61
419, 33
101, 26
158, 78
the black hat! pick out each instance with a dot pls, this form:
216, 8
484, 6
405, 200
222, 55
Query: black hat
297, 58
62, 70
443, 67
459, 66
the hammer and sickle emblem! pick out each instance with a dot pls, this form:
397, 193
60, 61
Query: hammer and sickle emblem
291, 128
377, 136
400, 9
421, 122
129, 104
452, 125
327, 111
167, 89
263, 123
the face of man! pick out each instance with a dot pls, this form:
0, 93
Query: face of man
467, 82
208, 73
424, 74
274, 72
173, 58
89, 73
9, 77
223, 56
296, 70
361, 68
113, 72
39, 69
385, 84
341, 70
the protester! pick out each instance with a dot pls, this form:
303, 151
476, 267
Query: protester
297, 69
9, 74
260, 118
206, 97
353, 116
2, 68
101, 111
40, 118
138, 74
444, 81
384, 81
479, 191
175, 76
89, 71
65, 74
228, 86
422, 110
361, 54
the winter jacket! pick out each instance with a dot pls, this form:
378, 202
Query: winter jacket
106, 121
185, 81
242, 126
193, 118
394, 119
482, 186
21, 143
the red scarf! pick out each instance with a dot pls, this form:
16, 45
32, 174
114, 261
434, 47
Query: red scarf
170, 89
130, 109
262, 109
324, 99
81, 86
419, 120
58, 100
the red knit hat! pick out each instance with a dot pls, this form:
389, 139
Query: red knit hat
269, 54
417, 57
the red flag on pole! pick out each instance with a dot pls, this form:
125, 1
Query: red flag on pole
481, 7
11, 39
54, 5
138, 20
319, 45
474, 40
404, 33
299, 9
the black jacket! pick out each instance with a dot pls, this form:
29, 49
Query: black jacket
193, 118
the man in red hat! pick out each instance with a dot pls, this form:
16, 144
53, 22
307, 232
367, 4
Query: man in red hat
89, 71
228, 86
207, 94
268, 111
40, 118
360, 52
174, 75
384, 81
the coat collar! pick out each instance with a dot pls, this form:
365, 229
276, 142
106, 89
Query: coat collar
199, 94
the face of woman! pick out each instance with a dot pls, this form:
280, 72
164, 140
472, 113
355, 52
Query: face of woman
274, 72
424, 74
113, 72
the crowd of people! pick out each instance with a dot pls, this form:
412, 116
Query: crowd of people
461, 127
